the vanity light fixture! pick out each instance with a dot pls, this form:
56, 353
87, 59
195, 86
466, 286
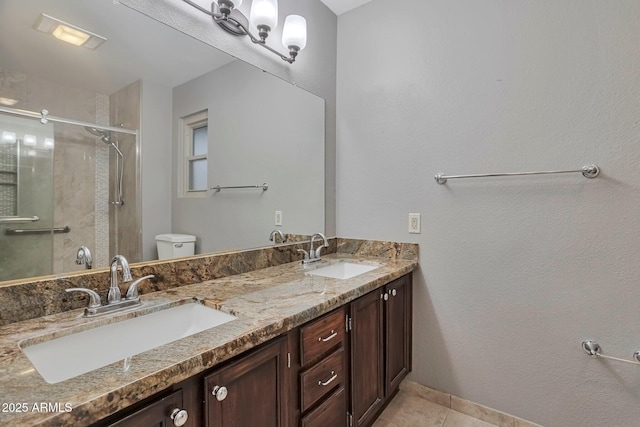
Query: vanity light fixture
263, 18
67, 32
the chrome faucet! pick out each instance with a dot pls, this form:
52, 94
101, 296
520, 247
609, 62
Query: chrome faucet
83, 256
272, 237
115, 301
314, 255
114, 290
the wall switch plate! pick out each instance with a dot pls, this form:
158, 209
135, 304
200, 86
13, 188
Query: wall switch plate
278, 217
414, 223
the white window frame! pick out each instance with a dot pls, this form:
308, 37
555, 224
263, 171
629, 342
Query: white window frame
189, 124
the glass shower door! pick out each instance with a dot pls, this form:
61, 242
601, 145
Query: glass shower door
26, 197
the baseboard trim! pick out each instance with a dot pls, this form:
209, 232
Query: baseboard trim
467, 407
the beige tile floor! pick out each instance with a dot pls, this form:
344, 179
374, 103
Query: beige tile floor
409, 410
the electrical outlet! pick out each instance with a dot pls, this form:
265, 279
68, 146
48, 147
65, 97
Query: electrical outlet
278, 217
414, 223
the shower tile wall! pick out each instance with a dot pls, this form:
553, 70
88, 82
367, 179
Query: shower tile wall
74, 162
101, 252
75, 184
8, 177
12, 85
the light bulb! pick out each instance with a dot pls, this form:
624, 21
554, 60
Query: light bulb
264, 16
294, 34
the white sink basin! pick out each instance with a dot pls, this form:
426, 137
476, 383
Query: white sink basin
343, 270
72, 355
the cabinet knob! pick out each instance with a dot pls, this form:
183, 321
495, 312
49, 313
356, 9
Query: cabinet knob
385, 296
179, 417
393, 292
220, 393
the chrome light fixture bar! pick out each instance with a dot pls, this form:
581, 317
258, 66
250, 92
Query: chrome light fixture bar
264, 17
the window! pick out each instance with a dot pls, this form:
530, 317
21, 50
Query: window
195, 148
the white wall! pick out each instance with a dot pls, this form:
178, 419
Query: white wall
514, 272
261, 129
155, 176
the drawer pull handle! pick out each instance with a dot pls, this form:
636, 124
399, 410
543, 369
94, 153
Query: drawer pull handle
330, 337
330, 380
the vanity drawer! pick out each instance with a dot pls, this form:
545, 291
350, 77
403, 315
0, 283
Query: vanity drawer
321, 379
332, 412
319, 337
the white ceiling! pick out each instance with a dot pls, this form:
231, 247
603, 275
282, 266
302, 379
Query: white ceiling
341, 6
137, 47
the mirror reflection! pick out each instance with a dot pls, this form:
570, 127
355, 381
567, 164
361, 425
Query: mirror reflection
147, 132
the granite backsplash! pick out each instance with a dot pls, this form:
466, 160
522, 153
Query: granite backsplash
29, 299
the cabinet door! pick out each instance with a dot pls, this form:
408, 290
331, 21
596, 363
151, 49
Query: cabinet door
367, 380
156, 414
398, 307
250, 391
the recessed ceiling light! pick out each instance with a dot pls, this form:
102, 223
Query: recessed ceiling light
8, 101
70, 35
67, 32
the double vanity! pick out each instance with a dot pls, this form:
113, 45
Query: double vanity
318, 344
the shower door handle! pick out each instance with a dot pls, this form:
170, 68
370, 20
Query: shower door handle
16, 219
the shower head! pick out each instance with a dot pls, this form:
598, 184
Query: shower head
105, 135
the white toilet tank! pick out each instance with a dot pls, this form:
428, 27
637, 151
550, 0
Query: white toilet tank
175, 245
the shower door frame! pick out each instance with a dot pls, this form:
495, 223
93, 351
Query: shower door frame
45, 117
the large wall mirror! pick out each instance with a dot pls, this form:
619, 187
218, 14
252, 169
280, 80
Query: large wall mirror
142, 126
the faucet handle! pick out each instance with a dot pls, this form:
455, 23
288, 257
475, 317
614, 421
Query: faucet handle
306, 254
132, 292
315, 254
94, 298
317, 251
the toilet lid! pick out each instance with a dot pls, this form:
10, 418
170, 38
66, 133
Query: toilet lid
176, 238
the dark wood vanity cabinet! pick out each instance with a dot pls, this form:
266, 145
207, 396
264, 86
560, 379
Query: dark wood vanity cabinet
380, 348
398, 331
323, 373
253, 391
367, 357
371, 336
339, 370
164, 412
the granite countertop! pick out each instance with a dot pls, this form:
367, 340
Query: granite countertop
266, 302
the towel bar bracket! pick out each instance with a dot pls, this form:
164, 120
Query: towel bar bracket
592, 348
